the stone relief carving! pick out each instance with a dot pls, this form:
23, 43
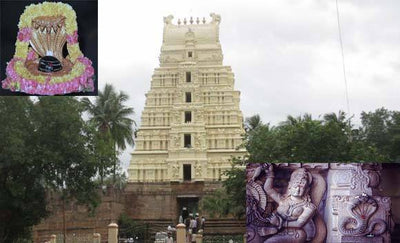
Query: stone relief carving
359, 179
177, 116
197, 169
361, 209
296, 218
175, 171
216, 18
168, 59
177, 141
197, 141
168, 19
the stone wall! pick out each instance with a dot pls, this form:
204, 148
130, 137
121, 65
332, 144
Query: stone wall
150, 201
80, 223
154, 204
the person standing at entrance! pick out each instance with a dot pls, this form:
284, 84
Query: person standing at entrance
198, 222
187, 224
193, 225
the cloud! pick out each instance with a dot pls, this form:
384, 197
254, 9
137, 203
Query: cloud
285, 54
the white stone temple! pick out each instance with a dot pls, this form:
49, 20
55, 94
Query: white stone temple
191, 125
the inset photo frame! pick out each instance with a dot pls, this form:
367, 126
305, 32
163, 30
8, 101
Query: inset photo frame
49, 48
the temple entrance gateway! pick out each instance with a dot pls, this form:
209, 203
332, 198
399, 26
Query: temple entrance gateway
187, 204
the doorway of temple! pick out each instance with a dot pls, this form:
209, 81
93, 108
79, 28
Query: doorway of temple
187, 205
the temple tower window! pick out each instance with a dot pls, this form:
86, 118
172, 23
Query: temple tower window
187, 172
188, 116
188, 77
187, 139
188, 97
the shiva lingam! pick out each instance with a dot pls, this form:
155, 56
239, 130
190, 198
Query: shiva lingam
39, 66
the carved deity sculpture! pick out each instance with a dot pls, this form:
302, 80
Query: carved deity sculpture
292, 220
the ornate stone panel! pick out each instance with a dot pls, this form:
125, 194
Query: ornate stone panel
331, 202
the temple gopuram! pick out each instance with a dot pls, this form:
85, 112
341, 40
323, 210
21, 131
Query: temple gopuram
191, 125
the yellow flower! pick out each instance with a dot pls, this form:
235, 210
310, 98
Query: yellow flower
74, 51
21, 49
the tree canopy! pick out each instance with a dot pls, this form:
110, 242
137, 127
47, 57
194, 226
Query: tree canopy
46, 145
111, 118
332, 138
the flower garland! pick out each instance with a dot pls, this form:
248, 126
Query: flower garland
20, 79
16, 82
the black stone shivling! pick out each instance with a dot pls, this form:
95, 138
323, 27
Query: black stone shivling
49, 64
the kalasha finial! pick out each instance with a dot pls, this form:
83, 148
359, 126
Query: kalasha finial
197, 20
179, 21
184, 21
204, 20
191, 20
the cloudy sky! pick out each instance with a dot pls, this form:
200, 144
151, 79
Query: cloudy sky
285, 54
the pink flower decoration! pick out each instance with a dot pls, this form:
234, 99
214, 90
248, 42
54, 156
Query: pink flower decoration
24, 34
72, 39
31, 55
80, 83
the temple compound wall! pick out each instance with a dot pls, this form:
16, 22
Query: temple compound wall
322, 202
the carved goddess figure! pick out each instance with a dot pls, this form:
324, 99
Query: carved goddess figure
295, 208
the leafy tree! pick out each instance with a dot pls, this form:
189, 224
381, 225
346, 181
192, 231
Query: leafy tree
304, 139
63, 151
301, 139
47, 146
111, 117
235, 186
22, 194
129, 228
103, 152
230, 199
378, 139
252, 122
62, 147
217, 204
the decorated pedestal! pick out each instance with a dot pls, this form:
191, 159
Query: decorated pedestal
39, 65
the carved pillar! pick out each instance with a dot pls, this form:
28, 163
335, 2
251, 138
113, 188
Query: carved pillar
354, 212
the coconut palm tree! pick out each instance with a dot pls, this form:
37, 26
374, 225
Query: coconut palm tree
112, 118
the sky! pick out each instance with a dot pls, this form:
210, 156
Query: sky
285, 54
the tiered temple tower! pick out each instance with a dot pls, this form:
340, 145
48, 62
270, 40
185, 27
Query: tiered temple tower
191, 124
